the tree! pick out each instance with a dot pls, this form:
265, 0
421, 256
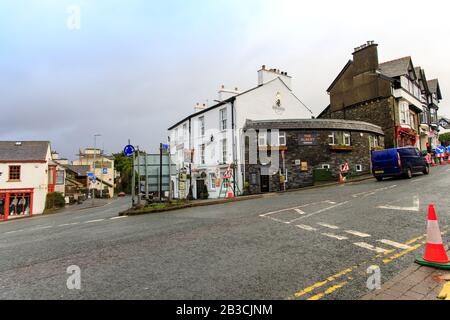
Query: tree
445, 138
124, 166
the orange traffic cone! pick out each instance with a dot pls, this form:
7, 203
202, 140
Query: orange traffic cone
435, 254
433, 162
230, 194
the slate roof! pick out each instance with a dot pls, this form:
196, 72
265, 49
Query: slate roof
395, 68
81, 170
25, 151
221, 103
314, 124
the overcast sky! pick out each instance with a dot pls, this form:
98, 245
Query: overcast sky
136, 67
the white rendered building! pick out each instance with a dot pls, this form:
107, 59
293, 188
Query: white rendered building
210, 137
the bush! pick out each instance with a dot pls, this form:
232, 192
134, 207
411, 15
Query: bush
55, 200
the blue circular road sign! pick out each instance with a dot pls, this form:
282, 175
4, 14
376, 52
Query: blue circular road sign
128, 150
440, 150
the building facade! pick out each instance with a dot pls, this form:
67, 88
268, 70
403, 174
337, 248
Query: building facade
307, 150
393, 95
27, 174
104, 169
207, 142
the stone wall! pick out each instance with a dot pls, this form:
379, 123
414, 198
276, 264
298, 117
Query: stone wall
380, 112
321, 153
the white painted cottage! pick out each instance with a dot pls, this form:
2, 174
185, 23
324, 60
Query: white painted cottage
27, 174
206, 142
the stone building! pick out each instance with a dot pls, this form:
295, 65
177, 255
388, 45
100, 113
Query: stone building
307, 150
204, 144
393, 95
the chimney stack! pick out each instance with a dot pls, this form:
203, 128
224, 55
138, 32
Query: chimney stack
225, 94
365, 58
265, 75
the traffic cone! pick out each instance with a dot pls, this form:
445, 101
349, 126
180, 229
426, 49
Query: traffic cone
230, 194
435, 255
433, 162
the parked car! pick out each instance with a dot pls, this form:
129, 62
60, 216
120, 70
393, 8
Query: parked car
398, 162
121, 194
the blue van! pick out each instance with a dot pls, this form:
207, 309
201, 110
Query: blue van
398, 162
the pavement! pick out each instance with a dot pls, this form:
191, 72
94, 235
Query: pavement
415, 283
310, 244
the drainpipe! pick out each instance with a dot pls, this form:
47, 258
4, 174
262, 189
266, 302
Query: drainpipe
190, 162
234, 146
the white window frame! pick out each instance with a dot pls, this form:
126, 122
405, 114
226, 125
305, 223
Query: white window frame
212, 180
202, 153
282, 138
359, 168
326, 166
262, 138
223, 119
404, 113
347, 139
332, 138
224, 150
201, 121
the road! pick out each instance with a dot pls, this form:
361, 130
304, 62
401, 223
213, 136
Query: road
309, 244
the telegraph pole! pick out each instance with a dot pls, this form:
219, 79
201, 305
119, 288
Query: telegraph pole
160, 171
133, 179
139, 176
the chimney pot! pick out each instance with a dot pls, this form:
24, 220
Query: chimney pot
263, 67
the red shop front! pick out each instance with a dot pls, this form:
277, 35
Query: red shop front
16, 203
405, 137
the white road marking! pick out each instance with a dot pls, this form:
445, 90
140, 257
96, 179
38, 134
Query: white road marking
371, 192
121, 217
293, 208
68, 224
40, 228
320, 211
91, 221
334, 236
326, 225
369, 247
395, 244
299, 211
14, 231
279, 220
305, 227
417, 180
415, 207
358, 234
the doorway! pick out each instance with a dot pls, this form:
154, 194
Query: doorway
265, 183
200, 184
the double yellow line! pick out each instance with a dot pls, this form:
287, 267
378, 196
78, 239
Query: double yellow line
346, 272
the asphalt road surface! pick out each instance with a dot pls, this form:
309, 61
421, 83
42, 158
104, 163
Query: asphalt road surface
309, 244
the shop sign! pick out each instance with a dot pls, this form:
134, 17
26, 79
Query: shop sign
307, 139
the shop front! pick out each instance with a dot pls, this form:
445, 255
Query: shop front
406, 137
15, 203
